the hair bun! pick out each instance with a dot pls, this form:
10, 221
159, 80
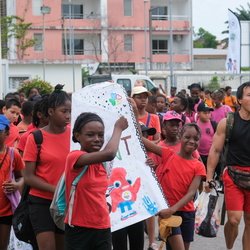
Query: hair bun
58, 88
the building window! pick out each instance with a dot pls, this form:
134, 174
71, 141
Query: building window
16, 81
76, 11
127, 7
78, 47
38, 42
128, 42
36, 7
160, 46
159, 13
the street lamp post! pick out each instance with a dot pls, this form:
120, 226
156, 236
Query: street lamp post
71, 43
150, 34
44, 10
171, 44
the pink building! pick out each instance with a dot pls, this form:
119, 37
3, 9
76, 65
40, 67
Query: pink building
125, 33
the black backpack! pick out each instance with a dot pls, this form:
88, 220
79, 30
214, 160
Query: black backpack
21, 221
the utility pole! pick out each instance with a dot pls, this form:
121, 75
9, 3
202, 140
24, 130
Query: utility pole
171, 43
145, 38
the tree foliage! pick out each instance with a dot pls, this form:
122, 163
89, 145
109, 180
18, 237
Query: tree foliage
243, 15
214, 83
204, 39
14, 26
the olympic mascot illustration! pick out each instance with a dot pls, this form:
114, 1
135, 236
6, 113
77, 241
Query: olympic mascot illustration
123, 194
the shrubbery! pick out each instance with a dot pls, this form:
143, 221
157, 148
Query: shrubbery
43, 87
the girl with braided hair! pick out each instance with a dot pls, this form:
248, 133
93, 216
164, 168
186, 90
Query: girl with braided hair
39, 120
43, 176
90, 220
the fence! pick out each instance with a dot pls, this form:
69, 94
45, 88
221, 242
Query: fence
183, 80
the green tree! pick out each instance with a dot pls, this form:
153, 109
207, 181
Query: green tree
14, 26
243, 15
204, 39
214, 83
43, 87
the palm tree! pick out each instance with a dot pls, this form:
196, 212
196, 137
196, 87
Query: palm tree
242, 14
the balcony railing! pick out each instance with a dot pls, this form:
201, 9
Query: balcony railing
159, 51
81, 16
82, 52
167, 17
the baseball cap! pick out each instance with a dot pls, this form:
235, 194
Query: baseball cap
171, 115
4, 122
150, 131
138, 90
204, 107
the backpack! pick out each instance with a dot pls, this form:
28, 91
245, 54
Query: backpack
59, 207
183, 117
214, 125
21, 221
229, 129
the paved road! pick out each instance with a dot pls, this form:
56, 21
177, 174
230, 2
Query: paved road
218, 243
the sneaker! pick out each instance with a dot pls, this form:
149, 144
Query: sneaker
153, 246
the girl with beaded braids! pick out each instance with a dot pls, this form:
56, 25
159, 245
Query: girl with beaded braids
39, 120
90, 211
43, 177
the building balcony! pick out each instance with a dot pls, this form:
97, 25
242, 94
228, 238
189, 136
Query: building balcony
178, 22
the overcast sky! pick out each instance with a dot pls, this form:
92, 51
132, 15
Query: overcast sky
212, 14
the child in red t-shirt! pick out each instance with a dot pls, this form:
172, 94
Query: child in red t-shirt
90, 211
171, 131
140, 96
44, 176
40, 119
12, 110
180, 175
5, 185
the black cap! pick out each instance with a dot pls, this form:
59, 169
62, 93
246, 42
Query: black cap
150, 131
204, 107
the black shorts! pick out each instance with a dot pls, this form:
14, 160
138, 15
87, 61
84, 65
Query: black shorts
82, 238
6, 220
186, 229
40, 216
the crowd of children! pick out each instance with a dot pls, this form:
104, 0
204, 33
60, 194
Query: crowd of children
176, 130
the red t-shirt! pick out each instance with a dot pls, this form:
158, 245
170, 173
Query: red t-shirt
176, 148
153, 123
175, 176
22, 142
18, 165
14, 136
54, 150
90, 207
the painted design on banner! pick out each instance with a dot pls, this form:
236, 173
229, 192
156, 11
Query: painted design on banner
234, 43
134, 193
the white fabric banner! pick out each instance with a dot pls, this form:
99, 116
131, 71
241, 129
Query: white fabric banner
134, 193
234, 44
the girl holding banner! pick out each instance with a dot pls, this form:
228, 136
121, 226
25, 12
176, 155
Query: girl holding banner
180, 176
90, 211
